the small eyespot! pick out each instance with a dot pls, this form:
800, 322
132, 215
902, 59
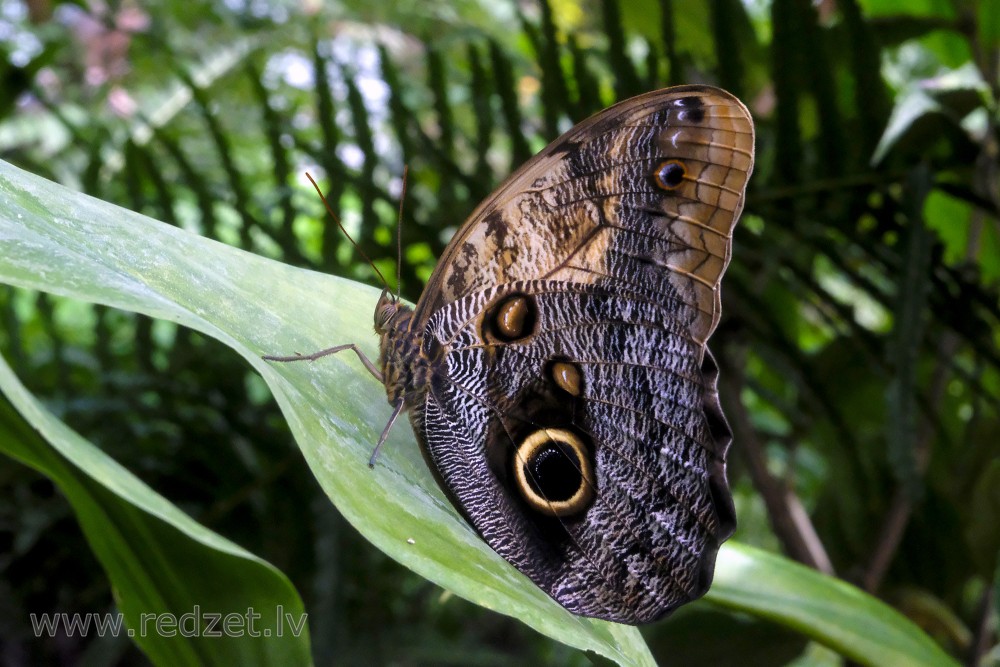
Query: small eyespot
692, 115
511, 319
692, 109
554, 473
670, 174
567, 377
690, 102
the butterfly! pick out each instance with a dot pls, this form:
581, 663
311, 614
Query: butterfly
555, 369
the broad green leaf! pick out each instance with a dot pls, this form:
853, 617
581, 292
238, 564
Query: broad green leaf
911, 106
170, 575
924, 96
69, 244
55, 240
831, 611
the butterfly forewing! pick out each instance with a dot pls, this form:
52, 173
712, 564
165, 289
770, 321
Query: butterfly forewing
656, 180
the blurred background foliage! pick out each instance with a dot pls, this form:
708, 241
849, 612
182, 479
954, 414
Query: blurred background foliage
859, 343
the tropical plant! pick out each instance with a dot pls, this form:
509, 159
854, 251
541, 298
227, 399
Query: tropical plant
858, 346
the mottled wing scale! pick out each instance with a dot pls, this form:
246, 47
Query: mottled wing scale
570, 408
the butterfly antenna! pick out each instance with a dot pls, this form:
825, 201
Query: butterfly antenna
336, 219
399, 237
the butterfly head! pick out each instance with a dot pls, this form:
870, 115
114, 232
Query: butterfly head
385, 309
390, 313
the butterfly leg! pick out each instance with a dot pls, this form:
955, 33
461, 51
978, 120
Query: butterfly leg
396, 409
328, 351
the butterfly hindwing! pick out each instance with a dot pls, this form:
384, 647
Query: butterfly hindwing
644, 542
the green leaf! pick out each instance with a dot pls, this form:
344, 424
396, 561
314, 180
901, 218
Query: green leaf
954, 221
988, 25
911, 106
829, 610
69, 244
55, 240
170, 575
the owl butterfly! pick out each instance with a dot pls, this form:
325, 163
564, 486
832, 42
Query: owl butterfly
555, 369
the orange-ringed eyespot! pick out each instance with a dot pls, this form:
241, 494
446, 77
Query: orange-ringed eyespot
554, 472
670, 174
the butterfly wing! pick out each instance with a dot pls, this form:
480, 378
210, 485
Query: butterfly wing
571, 412
655, 183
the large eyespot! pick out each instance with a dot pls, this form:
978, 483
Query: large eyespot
669, 174
554, 472
510, 319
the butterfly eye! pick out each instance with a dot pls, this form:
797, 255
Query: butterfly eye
554, 473
384, 313
670, 174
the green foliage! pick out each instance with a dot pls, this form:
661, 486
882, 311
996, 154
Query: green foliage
162, 565
129, 262
860, 325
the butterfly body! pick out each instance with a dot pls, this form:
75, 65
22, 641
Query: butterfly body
404, 369
555, 369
